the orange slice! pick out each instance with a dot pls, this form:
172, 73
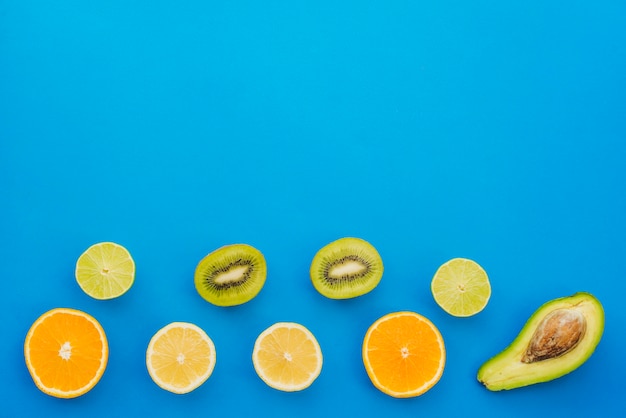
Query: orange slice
66, 352
403, 354
287, 357
180, 357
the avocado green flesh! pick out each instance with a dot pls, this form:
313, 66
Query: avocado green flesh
507, 370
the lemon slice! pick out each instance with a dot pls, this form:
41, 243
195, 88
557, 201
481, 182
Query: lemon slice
105, 270
461, 287
180, 357
287, 357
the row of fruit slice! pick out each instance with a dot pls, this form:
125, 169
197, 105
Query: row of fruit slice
66, 353
66, 350
235, 274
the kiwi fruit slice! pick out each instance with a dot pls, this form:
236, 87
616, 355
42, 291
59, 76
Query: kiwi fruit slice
346, 268
231, 275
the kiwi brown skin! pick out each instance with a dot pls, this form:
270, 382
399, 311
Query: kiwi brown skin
346, 268
231, 275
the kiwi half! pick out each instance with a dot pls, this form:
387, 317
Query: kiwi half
231, 275
346, 268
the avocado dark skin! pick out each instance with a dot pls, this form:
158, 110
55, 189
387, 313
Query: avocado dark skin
558, 338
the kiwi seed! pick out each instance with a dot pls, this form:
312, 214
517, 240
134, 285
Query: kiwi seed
231, 275
346, 268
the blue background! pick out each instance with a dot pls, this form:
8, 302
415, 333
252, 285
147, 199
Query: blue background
433, 129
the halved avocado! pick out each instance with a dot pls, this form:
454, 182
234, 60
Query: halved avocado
559, 337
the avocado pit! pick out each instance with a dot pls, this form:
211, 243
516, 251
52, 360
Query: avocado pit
558, 333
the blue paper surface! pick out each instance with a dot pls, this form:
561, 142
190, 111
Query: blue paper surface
489, 130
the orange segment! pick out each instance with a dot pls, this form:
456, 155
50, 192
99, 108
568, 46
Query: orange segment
66, 352
403, 354
287, 357
180, 357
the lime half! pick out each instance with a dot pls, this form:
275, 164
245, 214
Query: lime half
461, 287
105, 270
